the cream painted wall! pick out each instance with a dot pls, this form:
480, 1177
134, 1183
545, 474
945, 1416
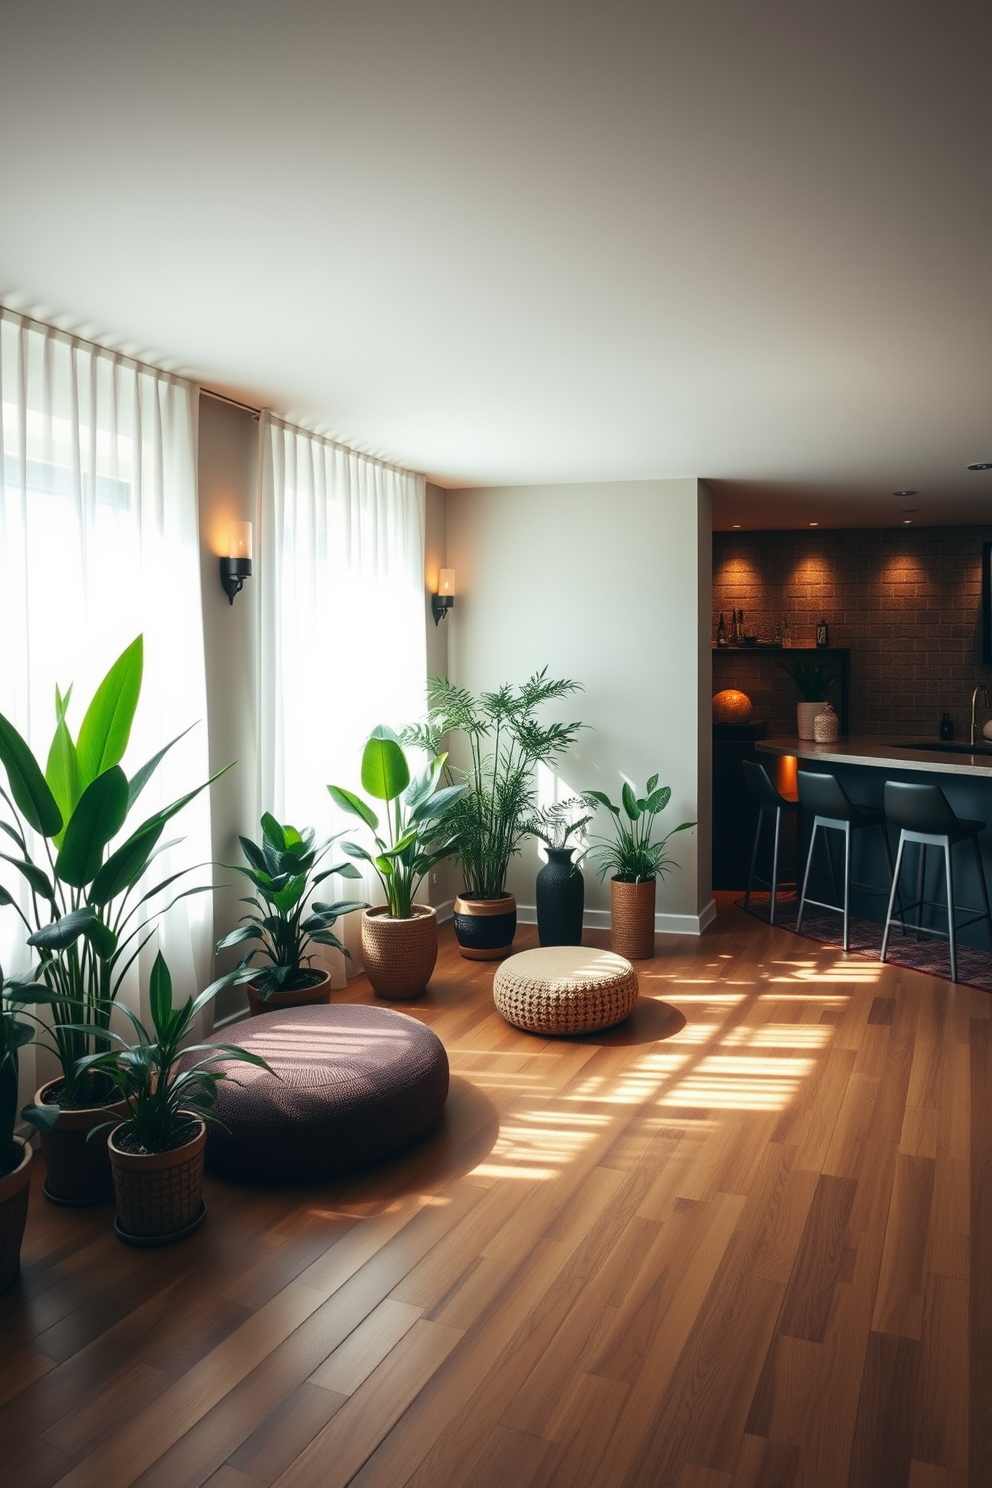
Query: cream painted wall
227, 483
608, 583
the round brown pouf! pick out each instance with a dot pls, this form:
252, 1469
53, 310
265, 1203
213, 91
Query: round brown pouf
565, 989
358, 1085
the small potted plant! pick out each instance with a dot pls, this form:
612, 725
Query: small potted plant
560, 885
815, 681
15, 1152
283, 873
506, 741
89, 912
399, 939
634, 859
156, 1152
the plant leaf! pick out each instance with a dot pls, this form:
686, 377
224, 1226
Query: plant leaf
28, 785
66, 931
354, 805
96, 820
629, 802
62, 769
106, 728
160, 995
141, 777
385, 773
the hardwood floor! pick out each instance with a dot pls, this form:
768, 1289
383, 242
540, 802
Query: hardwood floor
743, 1241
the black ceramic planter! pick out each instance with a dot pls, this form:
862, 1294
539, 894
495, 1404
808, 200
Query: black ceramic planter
560, 898
484, 928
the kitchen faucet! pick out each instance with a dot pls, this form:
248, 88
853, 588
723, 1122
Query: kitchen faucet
974, 701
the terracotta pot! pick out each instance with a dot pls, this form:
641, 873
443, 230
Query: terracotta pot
484, 928
13, 1213
399, 955
77, 1166
805, 713
159, 1194
305, 997
632, 918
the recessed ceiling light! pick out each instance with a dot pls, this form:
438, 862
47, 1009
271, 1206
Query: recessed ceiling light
735, 524
981, 465
907, 521
905, 493
814, 524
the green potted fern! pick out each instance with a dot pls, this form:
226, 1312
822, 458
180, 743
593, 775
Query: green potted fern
506, 740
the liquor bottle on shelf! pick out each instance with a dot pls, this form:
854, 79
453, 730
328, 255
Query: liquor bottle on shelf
822, 635
721, 633
786, 634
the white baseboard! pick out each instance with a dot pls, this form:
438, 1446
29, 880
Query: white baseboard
664, 924
445, 910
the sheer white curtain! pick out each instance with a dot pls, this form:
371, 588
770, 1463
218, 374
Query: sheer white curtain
343, 647
98, 542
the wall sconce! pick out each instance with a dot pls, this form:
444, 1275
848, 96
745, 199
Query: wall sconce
237, 567
444, 599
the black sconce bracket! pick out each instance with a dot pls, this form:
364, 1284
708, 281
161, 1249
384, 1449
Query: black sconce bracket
233, 572
440, 605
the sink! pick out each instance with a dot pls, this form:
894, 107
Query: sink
943, 746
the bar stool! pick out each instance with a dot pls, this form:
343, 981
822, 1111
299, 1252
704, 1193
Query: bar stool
769, 799
924, 816
833, 811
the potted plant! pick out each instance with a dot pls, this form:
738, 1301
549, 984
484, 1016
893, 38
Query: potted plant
399, 939
815, 681
89, 919
156, 1152
560, 886
15, 1152
283, 873
634, 859
506, 741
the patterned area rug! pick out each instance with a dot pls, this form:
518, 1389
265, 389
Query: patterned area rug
928, 954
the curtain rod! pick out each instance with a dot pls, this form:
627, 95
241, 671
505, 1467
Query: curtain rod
256, 413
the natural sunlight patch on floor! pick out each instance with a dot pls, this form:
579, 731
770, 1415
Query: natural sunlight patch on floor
740, 1083
781, 1036
537, 1144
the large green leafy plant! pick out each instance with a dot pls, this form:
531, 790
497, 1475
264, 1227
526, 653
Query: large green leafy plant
15, 1031
633, 854
283, 873
418, 814
506, 741
90, 915
160, 1081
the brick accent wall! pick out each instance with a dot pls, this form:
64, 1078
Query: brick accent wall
906, 601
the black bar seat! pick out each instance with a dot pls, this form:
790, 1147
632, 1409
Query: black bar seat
923, 815
771, 802
833, 811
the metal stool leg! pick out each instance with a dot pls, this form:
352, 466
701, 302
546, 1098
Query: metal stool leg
952, 940
921, 883
778, 823
892, 895
809, 860
847, 885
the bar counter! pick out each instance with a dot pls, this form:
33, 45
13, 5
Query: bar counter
877, 754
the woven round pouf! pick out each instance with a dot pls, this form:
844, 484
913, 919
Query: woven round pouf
565, 989
357, 1085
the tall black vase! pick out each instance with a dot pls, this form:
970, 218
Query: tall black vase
561, 894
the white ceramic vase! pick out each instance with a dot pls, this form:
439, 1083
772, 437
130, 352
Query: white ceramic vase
805, 713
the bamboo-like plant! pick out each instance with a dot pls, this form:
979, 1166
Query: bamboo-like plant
91, 919
556, 823
506, 741
419, 818
814, 679
631, 855
283, 874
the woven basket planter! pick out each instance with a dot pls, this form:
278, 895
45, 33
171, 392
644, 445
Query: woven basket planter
159, 1194
13, 1213
632, 918
313, 996
399, 955
77, 1166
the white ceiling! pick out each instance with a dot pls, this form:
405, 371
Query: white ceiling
526, 241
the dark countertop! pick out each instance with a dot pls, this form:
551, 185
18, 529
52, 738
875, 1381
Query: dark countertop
878, 753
